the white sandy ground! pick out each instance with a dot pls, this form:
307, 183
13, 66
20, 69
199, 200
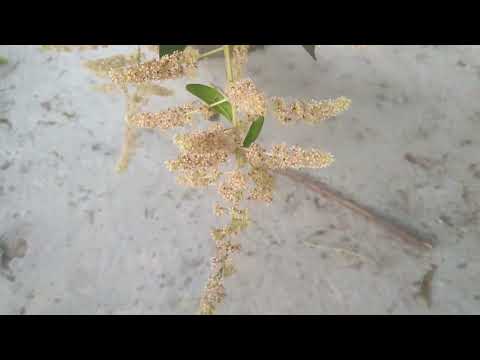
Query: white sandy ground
96, 242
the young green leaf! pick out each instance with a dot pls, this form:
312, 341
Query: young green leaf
253, 132
311, 50
168, 49
3, 60
211, 96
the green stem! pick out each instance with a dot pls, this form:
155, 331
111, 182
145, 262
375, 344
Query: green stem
228, 63
214, 51
229, 71
139, 55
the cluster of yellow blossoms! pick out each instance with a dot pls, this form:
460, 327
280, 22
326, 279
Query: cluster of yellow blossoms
172, 66
204, 154
309, 111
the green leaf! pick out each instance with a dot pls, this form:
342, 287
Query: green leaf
253, 132
3, 60
211, 96
169, 49
311, 50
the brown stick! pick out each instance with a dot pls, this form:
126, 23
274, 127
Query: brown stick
320, 187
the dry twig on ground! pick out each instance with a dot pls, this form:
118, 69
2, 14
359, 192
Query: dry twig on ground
320, 187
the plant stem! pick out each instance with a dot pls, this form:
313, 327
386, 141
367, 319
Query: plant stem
228, 63
228, 69
139, 54
208, 53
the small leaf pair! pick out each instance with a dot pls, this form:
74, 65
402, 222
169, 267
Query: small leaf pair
212, 96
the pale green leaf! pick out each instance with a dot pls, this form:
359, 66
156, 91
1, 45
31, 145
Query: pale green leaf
211, 96
253, 132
